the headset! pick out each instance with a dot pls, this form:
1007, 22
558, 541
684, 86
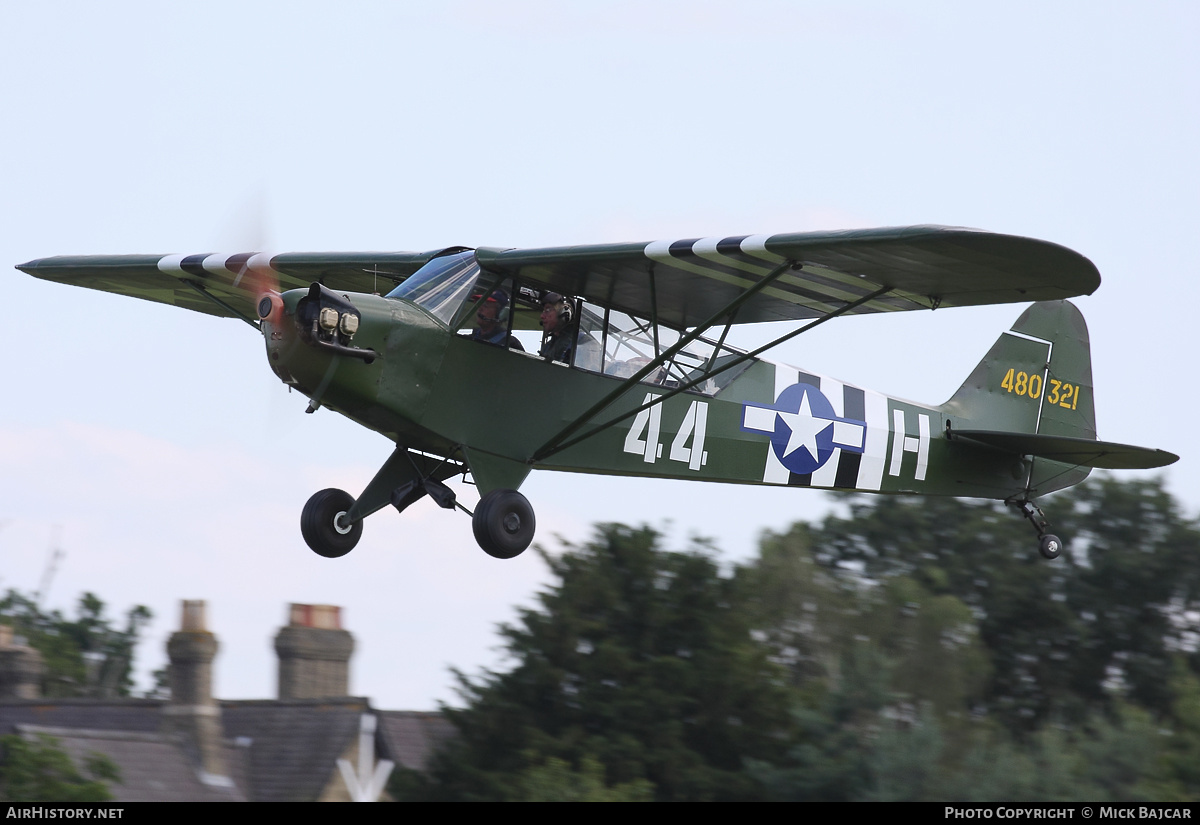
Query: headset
566, 310
501, 300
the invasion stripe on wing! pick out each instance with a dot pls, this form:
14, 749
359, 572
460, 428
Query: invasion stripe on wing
726, 262
222, 264
729, 251
725, 259
661, 251
756, 245
840, 285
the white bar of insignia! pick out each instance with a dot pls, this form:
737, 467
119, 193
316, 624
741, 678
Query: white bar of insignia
846, 434
759, 419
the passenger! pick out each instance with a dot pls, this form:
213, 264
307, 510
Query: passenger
559, 344
491, 322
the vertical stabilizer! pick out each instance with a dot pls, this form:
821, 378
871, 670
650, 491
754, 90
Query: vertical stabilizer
1036, 378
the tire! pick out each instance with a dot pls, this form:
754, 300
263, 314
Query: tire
1050, 546
320, 528
503, 524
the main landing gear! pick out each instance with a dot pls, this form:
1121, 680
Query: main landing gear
324, 525
503, 523
1049, 545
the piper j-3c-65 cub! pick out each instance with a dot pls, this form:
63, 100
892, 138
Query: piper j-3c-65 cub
626, 347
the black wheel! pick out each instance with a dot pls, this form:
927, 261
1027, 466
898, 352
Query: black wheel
1050, 546
322, 527
503, 523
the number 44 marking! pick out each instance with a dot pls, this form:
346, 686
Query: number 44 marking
644, 433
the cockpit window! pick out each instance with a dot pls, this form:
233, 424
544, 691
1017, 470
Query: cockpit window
441, 286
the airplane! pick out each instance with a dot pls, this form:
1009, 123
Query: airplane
624, 348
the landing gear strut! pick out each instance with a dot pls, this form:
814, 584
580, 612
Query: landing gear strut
503, 522
1049, 545
332, 521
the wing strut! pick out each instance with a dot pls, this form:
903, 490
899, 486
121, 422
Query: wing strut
551, 446
549, 449
237, 312
557, 443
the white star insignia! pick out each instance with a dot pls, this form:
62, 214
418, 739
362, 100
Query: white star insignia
804, 429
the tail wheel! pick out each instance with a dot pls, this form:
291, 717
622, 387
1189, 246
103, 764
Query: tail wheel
323, 527
1050, 546
503, 523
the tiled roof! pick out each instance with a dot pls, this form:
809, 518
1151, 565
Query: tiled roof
276, 750
153, 766
294, 744
411, 737
134, 715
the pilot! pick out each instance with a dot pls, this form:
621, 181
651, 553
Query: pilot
491, 322
560, 341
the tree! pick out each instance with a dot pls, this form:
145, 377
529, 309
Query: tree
1136, 588
557, 781
935, 655
835, 720
1178, 777
1064, 639
38, 770
922, 648
637, 666
86, 656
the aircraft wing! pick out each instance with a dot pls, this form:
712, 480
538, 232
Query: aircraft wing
681, 283
685, 282
236, 280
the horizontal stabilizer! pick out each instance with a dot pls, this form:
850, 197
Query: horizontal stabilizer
1081, 452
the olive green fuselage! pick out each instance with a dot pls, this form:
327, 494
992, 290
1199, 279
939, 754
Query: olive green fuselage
437, 392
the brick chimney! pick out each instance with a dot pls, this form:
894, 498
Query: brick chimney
21, 668
192, 712
314, 653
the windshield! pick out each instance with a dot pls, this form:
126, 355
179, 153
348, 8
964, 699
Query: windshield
441, 286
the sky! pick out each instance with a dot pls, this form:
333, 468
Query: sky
155, 449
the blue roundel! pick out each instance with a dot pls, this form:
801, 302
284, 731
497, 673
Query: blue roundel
803, 436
